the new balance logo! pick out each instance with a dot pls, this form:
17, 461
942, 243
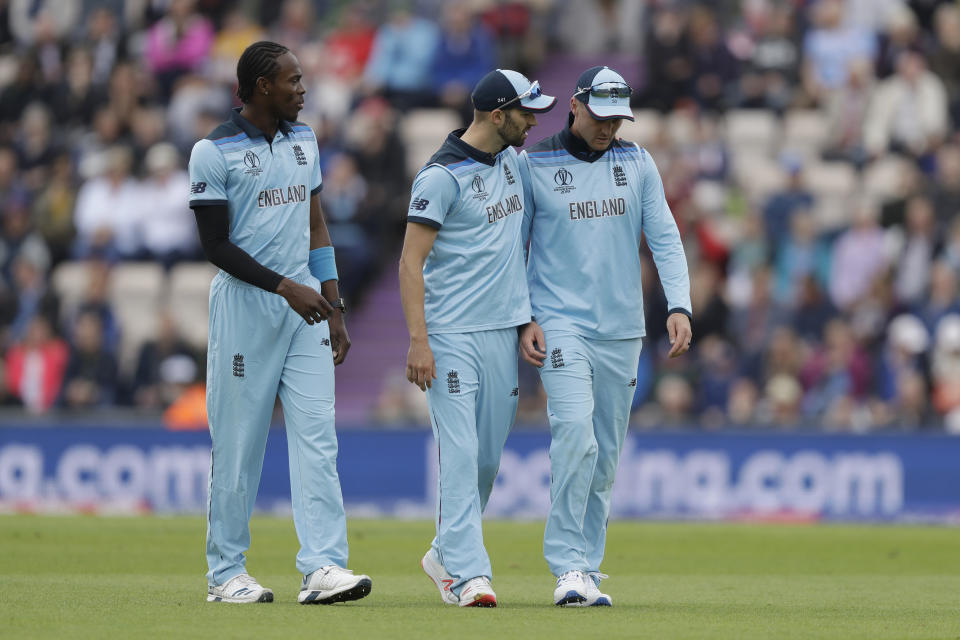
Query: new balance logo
515, 392
299, 155
619, 176
453, 382
238, 365
198, 187
556, 358
325, 342
419, 204
632, 383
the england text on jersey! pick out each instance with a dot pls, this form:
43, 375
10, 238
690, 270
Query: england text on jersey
588, 209
504, 208
279, 196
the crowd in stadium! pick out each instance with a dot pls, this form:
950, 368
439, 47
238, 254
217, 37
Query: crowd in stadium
809, 151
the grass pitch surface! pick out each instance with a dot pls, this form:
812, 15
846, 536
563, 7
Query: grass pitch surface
86, 577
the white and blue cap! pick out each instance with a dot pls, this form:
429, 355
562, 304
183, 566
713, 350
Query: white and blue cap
506, 89
605, 93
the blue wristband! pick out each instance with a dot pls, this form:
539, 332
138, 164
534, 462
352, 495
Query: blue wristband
323, 265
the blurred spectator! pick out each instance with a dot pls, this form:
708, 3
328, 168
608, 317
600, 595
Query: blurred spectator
941, 301
348, 46
837, 371
771, 55
946, 366
178, 44
951, 248
90, 380
464, 54
344, 198
237, 33
34, 367
294, 28
780, 407
21, 91
707, 299
33, 297
858, 256
53, 208
592, 28
18, 238
96, 300
520, 35
35, 145
668, 67
716, 366
76, 98
845, 111
169, 230
104, 44
919, 244
801, 255
164, 366
33, 21
108, 212
945, 187
714, 68
813, 309
902, 357
781, 206
900, 34
908, 112
742, 403
945, 57
829, 48
401, 59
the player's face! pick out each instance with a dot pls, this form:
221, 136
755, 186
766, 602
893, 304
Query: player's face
516, 124
286, 91
598, 134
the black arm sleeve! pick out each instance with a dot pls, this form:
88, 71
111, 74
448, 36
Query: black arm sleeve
213, 222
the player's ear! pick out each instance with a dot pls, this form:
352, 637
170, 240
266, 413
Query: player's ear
263, 86
497, 116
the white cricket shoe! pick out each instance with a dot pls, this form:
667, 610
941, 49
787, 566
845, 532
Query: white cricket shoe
571, 589
477, 592
594, 597
331, 584
438, 573
242, 588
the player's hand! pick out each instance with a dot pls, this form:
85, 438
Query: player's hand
339, 340
306, 301
533, 346
421, 368
680, 334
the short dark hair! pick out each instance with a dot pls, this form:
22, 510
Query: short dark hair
258, 60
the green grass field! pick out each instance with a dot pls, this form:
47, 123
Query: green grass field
87, 577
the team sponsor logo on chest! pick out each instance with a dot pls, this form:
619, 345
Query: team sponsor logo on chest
504, 208
281, 196
593, 209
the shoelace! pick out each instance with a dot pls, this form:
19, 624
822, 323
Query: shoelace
570, 576
597, 576
246, 580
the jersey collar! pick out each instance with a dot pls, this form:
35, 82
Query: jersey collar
470, 151
253, 132
576, 147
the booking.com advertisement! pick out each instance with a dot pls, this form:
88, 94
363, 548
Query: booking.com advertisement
661, 475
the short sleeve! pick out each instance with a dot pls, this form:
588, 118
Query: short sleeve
317, 181
208, 175
435, 192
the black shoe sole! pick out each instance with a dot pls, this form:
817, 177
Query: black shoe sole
361, 590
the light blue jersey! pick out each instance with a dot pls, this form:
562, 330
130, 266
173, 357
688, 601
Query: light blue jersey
584, 215
474, 275
267, 186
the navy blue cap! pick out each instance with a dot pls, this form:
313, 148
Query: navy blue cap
607, 108
499, 90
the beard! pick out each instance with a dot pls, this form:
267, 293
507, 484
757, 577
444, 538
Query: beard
511, 132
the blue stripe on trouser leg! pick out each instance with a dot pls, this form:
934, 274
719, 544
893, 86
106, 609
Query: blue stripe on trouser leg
472, 409
615, 368
589, 394
307, 396
248, 335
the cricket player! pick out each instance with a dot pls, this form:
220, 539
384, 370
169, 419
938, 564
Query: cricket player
276, 327
589, 198
464, 296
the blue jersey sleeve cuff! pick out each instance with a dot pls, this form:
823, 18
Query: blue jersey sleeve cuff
427, 221
680, 310
317, 189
